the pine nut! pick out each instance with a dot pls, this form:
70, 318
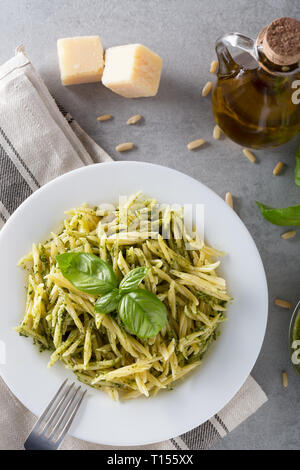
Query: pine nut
207, 88
104, 117
124, 147
217, 132
195, 144
285, 380
283, 303
249, 155
213, 66
278, 168
288, 235
134, 119
229, 199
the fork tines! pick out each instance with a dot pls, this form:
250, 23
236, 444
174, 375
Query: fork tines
57, 418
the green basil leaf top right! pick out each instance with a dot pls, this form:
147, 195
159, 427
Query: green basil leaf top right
132, 280
280, 216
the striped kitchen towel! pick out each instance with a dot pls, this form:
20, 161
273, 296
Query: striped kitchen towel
37, 143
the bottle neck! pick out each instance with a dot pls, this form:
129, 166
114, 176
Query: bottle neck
275, 69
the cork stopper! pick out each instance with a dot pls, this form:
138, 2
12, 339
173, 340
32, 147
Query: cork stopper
281, 41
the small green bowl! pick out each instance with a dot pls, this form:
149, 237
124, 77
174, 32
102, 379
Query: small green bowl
294, 338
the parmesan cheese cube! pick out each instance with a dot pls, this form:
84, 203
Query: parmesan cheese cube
132, 71
80, 59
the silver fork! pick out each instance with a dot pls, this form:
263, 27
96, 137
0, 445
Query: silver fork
50, 430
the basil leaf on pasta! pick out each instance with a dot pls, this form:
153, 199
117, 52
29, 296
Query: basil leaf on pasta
133, 279
87, 272
142, 313
108, 303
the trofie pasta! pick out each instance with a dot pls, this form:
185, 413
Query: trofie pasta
98, 347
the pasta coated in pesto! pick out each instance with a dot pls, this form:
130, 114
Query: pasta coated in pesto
97, 347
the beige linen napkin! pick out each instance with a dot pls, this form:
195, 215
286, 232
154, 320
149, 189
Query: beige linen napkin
38, 143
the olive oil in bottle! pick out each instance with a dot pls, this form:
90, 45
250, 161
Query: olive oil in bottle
253, 99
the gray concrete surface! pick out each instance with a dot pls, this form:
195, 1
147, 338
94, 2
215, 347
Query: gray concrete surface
183, 32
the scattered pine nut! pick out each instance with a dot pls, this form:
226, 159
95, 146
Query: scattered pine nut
134, 119
283, 303
278, 168
249, 155
229, 199
285, 380
195, 144
213, 66
104, 117
124, 147
217, 132
288, 235
207, 88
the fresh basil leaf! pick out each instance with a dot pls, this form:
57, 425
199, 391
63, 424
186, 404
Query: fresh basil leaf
133, 279
297, 168
142, 313
108, 303
87, 272
285, 216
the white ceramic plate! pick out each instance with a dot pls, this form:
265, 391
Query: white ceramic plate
228, 362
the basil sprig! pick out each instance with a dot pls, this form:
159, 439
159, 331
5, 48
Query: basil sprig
143, 314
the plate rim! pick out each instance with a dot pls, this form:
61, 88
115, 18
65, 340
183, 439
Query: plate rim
45, 187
